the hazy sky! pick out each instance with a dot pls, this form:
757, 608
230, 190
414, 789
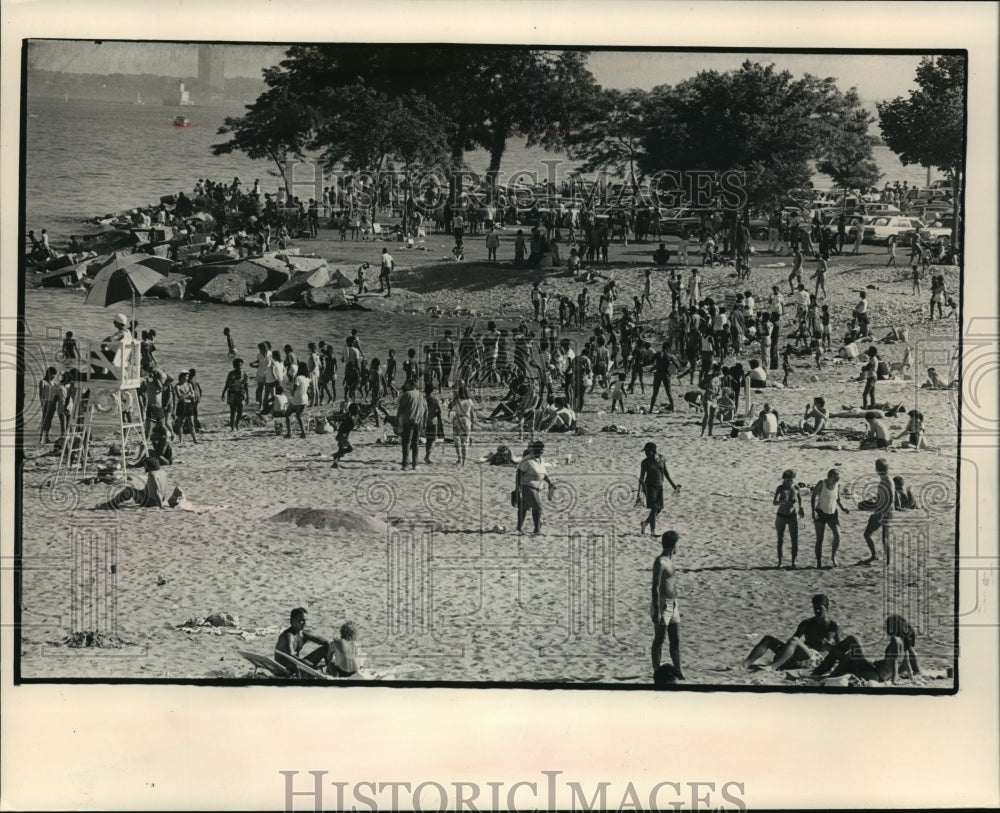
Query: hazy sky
875, 76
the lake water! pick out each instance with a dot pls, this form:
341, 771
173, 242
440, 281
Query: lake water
86, 158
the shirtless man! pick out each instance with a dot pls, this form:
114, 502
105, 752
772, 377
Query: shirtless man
291, 641
664, 612
813, 637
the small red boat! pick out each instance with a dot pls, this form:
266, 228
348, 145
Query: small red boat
181, 121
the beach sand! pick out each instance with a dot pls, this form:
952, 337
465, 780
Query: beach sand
438, 595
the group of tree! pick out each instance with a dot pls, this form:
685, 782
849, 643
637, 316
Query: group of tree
928, 127
420, 107
415, 107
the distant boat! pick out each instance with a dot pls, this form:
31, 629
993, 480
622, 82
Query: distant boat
138, 98
181, 121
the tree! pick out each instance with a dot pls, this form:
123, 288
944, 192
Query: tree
275, 127
756, 120
928, 128
364, 129
847, 148
611, 136
481, 95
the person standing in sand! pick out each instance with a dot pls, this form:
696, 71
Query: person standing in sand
785, 496
813, 637
529, 480
235, 393
825, 500
652, 470
882, 511
411, 414
663, 610
462, 422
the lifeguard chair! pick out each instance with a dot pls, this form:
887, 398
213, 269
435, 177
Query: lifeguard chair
106, 407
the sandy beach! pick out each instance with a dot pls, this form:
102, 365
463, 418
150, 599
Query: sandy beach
439, 584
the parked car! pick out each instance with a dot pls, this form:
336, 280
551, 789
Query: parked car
680, 220
880, 229
881, 209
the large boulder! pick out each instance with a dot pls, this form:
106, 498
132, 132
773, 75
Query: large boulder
301, 282
332, 519
305, 263
329, 296
263, 273
225, 289
339, 279
173, 287
202, 274
262, 299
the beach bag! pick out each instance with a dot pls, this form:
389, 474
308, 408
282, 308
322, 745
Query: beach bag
851, 351
323, 426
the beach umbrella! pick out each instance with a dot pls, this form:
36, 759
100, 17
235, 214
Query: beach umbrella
121, 279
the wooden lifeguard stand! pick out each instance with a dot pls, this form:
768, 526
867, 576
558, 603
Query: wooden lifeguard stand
106, 407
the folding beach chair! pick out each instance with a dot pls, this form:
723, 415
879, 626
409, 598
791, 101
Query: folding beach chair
302, 668
264, 663
377, 231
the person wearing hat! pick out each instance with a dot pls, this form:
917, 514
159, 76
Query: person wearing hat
529, 480
111, 350
651, 473
785, 496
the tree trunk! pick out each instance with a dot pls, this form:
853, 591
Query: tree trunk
281, 172
957, 179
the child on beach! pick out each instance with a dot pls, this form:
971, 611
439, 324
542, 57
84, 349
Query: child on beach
70, 348
786, 367
299, 400
390, 374
328, 375
375, 388
462, 422
618, 393
343, 658
235, 393
343, 434
230, 346
279, 404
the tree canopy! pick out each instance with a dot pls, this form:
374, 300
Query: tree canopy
928, 128
610, 137
758, 121
417, 103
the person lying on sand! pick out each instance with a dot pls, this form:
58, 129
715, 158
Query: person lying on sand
292, 640
884, 410
813, 637
848, 657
